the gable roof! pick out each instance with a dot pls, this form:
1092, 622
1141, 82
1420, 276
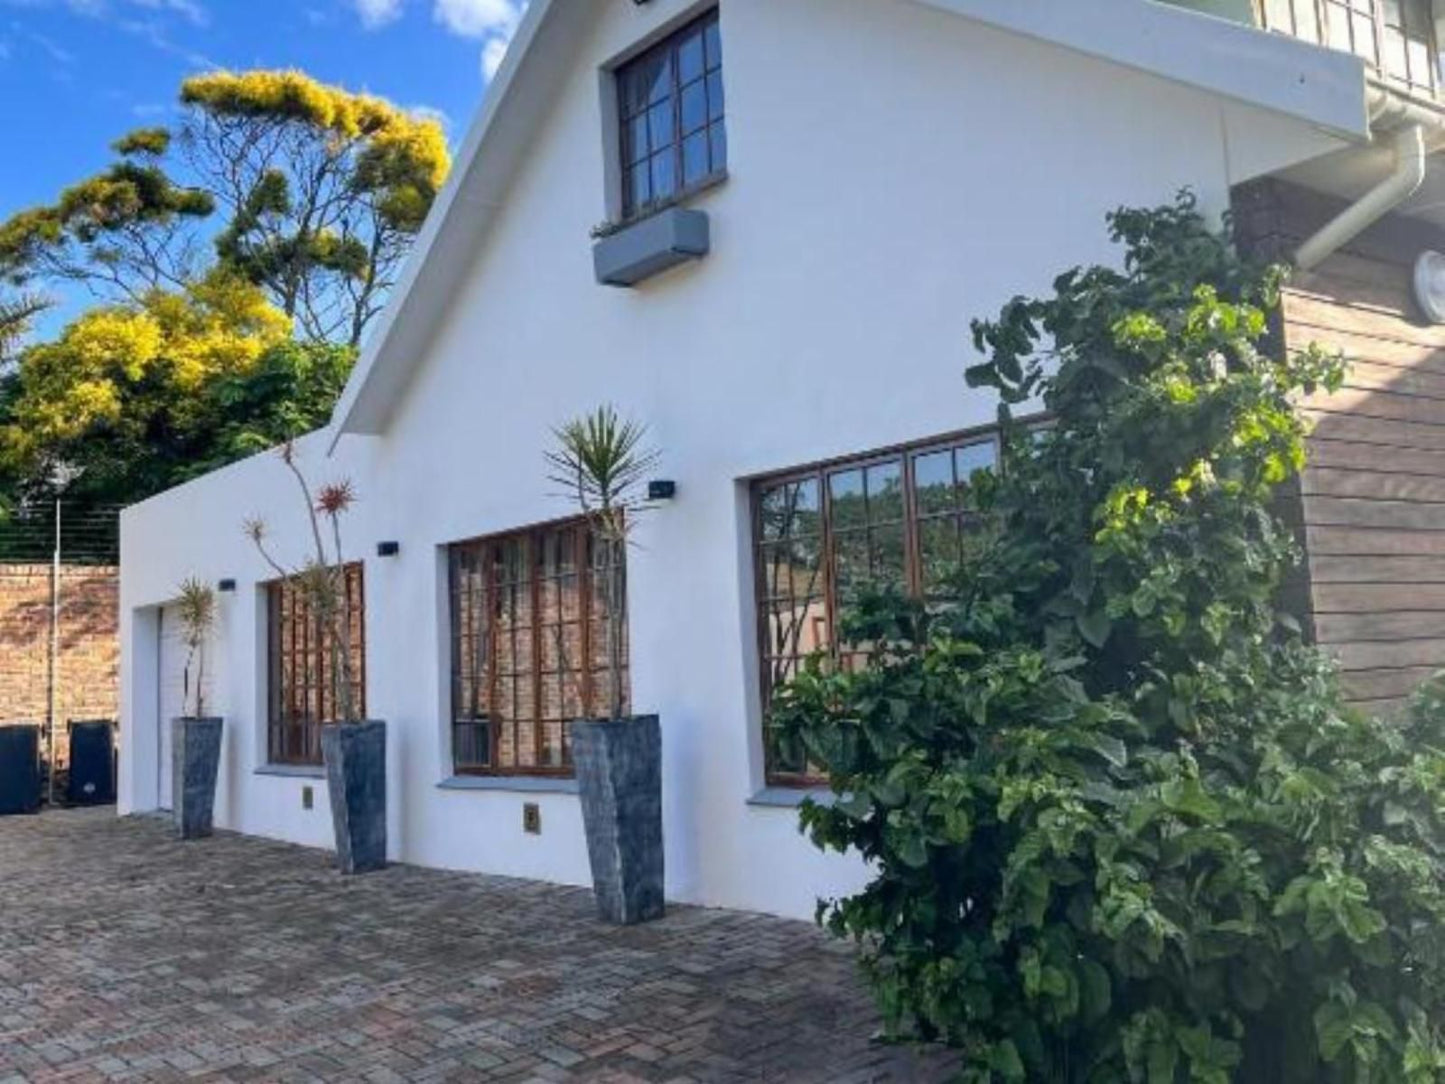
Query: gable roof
1319, 87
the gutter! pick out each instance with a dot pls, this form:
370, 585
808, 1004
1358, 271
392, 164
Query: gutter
1417, 131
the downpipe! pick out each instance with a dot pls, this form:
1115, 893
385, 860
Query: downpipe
1403, 182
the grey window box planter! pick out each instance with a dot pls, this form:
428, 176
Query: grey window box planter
195, 761
651, 246
619, 774
355, 755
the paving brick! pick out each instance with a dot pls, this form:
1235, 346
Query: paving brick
236, 959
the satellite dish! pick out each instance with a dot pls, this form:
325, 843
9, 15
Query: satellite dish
1430, 285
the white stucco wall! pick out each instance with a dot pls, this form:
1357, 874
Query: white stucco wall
895, 170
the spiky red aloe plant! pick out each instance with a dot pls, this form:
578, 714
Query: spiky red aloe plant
322, 579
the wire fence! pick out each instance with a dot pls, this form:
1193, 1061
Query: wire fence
59, 622
83, 535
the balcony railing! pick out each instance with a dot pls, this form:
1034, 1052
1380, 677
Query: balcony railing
1397, 37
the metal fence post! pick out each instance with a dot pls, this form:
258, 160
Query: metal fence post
53, 662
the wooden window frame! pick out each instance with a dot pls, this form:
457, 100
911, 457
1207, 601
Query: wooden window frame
285, 714
1380, 25
591, 686
630, 210
913, 582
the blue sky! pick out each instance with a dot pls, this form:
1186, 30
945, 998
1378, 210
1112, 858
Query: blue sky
75, 74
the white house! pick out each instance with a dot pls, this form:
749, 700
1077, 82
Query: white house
878, 172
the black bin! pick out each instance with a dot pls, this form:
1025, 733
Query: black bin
19, 769
92, 763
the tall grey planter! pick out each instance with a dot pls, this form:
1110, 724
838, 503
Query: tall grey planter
355, 755
619, 775
195, 761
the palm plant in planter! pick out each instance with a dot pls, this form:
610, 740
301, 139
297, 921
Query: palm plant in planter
602, 461
195, 737
353, 749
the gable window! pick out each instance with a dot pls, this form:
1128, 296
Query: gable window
529, 648
301, 690
670, 109
821, 534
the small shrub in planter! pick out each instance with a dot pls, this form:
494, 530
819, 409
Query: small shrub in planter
196, 737
602, 461
1120, 823
353, 749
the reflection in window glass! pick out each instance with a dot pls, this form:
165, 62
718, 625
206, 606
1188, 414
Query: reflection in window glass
824, 535
675, 91
529, 648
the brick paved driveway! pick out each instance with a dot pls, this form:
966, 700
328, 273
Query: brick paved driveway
126, 955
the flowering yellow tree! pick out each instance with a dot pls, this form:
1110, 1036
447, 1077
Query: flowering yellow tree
123, 389
322, 192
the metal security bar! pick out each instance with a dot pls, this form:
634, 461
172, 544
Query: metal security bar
302, 691
822, 534
529, 648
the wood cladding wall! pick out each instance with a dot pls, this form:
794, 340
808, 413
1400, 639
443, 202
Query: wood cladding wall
1370, 506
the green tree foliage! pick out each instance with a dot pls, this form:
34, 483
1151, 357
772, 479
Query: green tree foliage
289, 391
322, 192
277, 209
143, 396
16, 314
122, 233
1121, 826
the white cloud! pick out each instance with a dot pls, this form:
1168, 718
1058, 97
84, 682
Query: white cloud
58, 52
153, 35
493, 53
377, 13
492, 22
430, 112
190, 10
480, 18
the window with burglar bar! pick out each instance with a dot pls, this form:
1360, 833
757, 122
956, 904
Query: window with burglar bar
302, 668
1396, 36
822, 534
529, 628
670, 110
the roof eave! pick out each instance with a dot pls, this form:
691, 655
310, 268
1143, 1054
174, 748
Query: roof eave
1324, 88
460, 215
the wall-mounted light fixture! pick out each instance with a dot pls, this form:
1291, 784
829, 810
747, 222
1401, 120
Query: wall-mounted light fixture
388, 549
661, 489
226, 585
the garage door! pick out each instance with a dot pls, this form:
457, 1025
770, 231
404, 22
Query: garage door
172, 697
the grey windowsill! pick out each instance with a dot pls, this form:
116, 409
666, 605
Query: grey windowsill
791, 797
294, 771
680, 198
517, 784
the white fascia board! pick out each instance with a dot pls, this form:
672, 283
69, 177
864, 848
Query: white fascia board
1321, 87
460, 215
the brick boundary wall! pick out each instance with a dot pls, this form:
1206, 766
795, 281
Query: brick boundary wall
88, 675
